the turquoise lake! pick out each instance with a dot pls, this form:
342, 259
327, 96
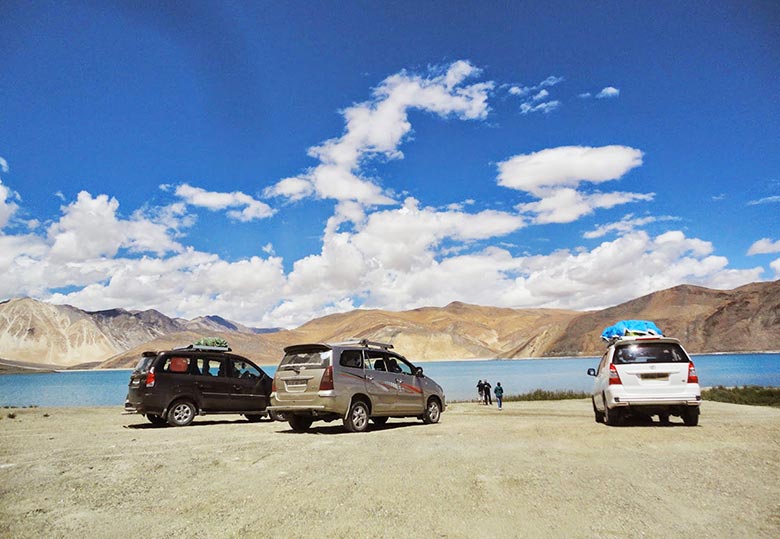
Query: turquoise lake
458, 378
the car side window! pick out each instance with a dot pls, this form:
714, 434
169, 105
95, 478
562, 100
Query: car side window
400, 366
242, 369
377, 360
352, 359
603, 362
176, 364
210, 367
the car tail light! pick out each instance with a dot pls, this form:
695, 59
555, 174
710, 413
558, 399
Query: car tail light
150, 378
327, 379
693, 378
614, 377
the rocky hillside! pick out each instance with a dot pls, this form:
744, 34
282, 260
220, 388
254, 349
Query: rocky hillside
744, 319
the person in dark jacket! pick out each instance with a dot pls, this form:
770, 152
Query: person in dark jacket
481, 390
487, 386
499, 392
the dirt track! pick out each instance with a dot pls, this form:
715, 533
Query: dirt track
534, 470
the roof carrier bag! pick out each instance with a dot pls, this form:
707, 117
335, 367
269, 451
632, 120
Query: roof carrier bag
626, 328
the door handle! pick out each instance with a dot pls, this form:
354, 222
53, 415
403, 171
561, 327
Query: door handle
236, 387
369, 378
398, 381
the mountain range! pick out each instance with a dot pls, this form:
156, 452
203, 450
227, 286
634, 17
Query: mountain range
746, 319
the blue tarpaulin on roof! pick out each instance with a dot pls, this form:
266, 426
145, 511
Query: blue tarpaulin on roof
631, 327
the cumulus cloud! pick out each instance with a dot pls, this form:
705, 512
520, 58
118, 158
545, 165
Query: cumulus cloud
4, 165
7, 205
764, 246
627, 224
246, 207
567, 166
608, 92
376, 128
775, 265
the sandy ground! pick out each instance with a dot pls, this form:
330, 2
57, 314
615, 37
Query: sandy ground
533, 470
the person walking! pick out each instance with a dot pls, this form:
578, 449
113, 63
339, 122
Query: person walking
481, 390
487, 386
499, 391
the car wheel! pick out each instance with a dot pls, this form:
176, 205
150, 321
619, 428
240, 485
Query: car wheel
253, 418
357, 418
379, 420
276, 416
181, 414
300, 423
432, 411
691, 416
599, 415
612, 417
155, 419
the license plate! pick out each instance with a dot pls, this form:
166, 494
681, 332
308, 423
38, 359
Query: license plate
297, 383
655, 376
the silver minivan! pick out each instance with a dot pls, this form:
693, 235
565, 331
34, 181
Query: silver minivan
353, 381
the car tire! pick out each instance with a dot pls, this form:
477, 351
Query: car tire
357, 417
379, 420
691, 416
300, 423
253, 418
155, 419
612, 417
276, 416
599, 415
432, 411
181, 413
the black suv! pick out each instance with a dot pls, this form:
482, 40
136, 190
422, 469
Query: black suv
173, 386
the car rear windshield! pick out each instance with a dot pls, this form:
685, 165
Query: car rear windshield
305, 359
145, 362
650, 353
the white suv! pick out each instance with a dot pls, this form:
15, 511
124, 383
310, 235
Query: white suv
645, 376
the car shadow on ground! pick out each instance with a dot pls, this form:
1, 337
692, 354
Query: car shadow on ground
196, 423
649, 422
338, 428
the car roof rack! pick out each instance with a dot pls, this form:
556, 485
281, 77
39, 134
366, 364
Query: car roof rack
367, 343
204, 348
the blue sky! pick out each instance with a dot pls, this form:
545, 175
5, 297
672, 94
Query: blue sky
274, 162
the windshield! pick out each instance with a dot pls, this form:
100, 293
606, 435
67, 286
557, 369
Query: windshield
650, 353
315, 359
144, 363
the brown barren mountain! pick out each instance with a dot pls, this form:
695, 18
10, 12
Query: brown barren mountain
740, 320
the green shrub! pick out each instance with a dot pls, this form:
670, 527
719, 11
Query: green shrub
752, 395
546, 395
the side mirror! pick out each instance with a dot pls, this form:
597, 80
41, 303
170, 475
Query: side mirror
591, 372
418, 372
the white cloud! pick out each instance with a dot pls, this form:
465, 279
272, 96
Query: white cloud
541, 95
546, 107
7, 206
4, 165
629, 223
566, 205
249, 208
379, 126
567, 166
584, 95
766, 200
775, 265
608, 92
764, 246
